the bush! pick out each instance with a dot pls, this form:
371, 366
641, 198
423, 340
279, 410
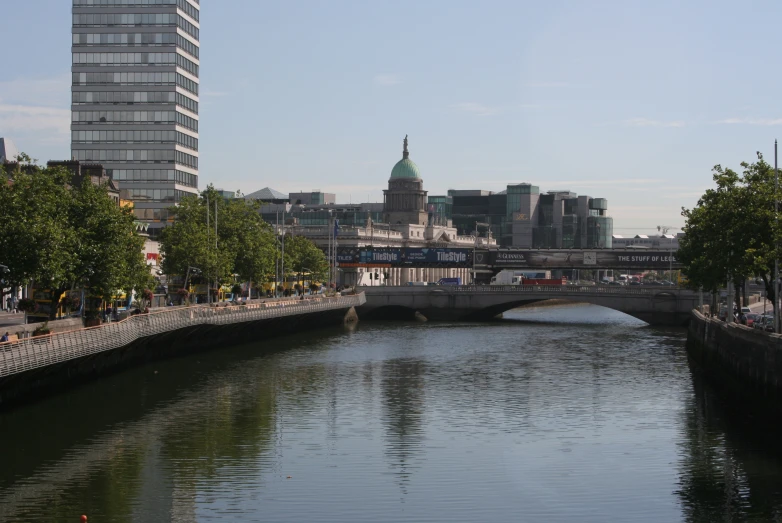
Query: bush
147, 295
42, 330
27, 305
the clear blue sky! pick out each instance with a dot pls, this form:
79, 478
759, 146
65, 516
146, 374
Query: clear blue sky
633, 101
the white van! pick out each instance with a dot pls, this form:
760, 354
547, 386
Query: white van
417, 283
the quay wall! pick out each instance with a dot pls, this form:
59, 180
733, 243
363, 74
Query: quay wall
37, 366
736, 358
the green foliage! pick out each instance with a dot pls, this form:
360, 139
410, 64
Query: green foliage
732, 232
302, 257
62, 237
42, 330
245, 243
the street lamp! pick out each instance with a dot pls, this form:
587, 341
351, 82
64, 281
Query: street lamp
195, 270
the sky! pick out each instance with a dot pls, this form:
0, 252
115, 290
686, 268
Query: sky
633, 101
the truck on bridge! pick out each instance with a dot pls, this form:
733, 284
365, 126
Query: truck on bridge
510, 277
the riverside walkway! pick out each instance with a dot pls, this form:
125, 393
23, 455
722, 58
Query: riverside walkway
28, 354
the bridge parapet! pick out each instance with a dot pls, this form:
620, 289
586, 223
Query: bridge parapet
658, 305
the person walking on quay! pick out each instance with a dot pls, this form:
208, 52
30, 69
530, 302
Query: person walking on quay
9, 302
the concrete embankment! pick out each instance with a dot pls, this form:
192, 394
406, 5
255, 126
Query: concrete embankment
736, 358
36, 366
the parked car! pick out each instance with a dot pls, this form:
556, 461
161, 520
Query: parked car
746, 310
751, 318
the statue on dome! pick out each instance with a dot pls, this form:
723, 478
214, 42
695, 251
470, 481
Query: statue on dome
405, 152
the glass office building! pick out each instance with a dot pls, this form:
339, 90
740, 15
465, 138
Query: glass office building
134, 93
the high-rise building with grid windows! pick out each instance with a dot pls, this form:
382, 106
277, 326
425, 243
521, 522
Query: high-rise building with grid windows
135, 98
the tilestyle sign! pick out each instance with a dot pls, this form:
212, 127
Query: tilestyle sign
563, 259
408, 256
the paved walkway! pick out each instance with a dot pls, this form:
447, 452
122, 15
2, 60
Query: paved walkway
8, 319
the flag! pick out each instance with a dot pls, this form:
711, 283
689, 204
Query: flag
336, 227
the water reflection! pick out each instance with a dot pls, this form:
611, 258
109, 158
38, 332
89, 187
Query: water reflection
731, 459
530, 419
403, 401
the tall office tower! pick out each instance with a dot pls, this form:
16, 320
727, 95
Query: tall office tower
135, 98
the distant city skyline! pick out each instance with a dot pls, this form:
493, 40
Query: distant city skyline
633, 101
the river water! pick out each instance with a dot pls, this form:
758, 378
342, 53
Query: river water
571, 413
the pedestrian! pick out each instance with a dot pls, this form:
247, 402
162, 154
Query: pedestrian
9, 302
5, 337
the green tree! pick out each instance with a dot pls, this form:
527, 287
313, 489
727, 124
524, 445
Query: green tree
108, 252
59, 237
36, 238
303, 256
245, 244
731, 232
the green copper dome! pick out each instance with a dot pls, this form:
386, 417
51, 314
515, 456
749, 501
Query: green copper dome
405, 168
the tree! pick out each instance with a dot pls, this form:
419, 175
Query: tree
36, 239
59, 237
303, 256
108, 252
245, 244
731, 233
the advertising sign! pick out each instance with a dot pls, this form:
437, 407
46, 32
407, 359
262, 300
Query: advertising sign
576, 258
435, 256
392, 256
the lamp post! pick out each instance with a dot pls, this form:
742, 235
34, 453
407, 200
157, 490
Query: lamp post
776, 254
195, 270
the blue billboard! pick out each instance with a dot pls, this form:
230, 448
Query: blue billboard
439, 255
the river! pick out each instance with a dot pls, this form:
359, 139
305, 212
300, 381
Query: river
563, 413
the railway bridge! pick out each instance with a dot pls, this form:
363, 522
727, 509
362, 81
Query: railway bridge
654, 305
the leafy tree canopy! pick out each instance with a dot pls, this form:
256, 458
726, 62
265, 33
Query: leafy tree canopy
61, 237
732, 232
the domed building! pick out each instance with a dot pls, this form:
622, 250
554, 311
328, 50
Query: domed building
404, 201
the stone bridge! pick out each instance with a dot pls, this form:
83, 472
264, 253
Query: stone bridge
654, 305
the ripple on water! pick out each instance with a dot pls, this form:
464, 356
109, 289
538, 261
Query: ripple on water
554, 414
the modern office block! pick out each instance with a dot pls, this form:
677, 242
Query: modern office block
135, 98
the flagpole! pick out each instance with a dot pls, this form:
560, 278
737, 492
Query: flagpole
776, 254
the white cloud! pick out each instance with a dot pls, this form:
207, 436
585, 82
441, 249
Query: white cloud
25, 118
645, 122
386, 79
752, 121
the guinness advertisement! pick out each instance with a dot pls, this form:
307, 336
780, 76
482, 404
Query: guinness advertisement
577, 259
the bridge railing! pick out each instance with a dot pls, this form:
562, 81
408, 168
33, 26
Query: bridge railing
32, 353
564, 289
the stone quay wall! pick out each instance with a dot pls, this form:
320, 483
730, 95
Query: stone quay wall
33, 366
736, 356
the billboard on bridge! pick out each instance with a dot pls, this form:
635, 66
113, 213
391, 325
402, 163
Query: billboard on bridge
577, 259
359, 256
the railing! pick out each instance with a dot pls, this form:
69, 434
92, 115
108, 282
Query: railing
564, 289
32, 353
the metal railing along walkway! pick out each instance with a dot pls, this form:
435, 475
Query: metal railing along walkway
32, 353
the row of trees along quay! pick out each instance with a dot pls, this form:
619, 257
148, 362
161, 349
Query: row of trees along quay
58, 237
732, 234
220, 241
